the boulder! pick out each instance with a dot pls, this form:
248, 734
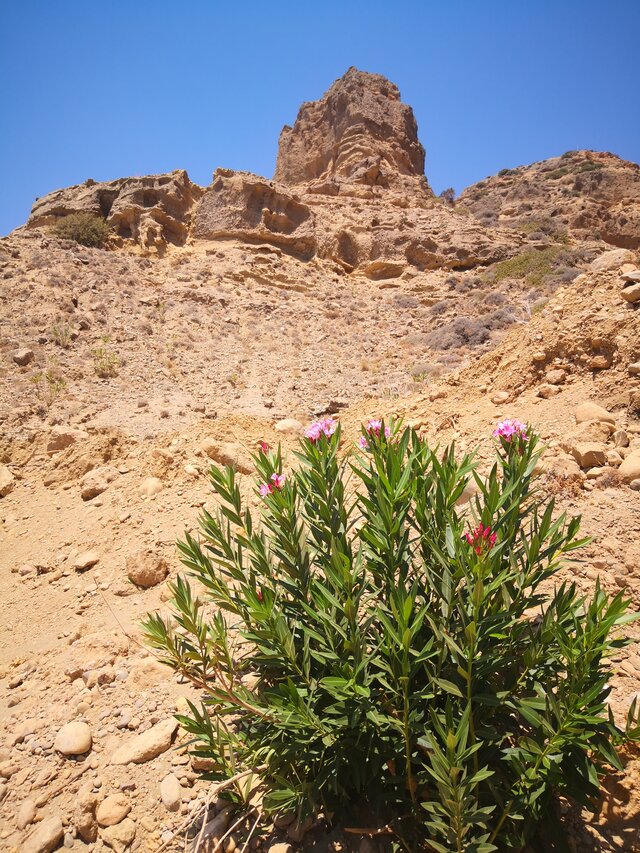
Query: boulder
146, 568
23, 357
73, 739
629, 470
593, 412
119, 837
97, 481
611, 260
289, 425
112, 810
45, 837
146, 746
588, 454
631, 293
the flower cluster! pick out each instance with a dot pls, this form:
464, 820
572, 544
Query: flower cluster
481, 539
325, 426
276, 484
373, 427
264, 447
509, 429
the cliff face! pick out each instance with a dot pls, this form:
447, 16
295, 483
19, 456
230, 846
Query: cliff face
359, 131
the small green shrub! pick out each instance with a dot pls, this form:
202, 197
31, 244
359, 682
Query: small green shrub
557, 173
106, 362
48, 386
373, 650
62, 334
85, 228
534, 266
587, 166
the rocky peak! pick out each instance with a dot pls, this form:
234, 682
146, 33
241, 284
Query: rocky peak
358, 132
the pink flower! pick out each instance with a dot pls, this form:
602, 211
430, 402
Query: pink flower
373, 427
264, 489
325, 426
481, 539
264, 447
511, 428
278, 481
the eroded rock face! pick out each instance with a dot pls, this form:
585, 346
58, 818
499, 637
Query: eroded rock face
251, 208
152, 211
590, 194
359, 132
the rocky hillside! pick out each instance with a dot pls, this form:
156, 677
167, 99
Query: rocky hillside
217, 317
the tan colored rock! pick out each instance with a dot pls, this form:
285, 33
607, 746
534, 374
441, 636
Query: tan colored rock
119, 837
45, 837
84, 816
112, 810
289, 425
146, 568
147, 746
171, 792
73, 739
62, 437
593, 412
547, 391
7, 481
556, 376
23, 357
631, 293
153, 211
97, 481
86, 560
26, 813
612, 260
588, 454
150, 486
629, 470
227, 453
359, 131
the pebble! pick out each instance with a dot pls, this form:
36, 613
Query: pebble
85, 560
171, 792
146, 746
26, 813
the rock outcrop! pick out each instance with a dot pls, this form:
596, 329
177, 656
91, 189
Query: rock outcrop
152, 210
248, 207
592, 195
359, 132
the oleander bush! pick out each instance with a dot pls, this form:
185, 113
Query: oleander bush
379, 650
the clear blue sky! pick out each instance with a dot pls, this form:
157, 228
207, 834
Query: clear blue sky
109, 89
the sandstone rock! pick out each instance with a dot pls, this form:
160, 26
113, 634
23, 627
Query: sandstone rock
226, 453
73, 739
86, 560
153, 210
7, 481
26, 813
120, 836
146, 746
150, 486
289, 425
500, 397
45, 837
632, 276
62, 437
84, 816
248, 207
634, 369
112, 810
588, 454
593, 412
620, 438
146, 568
635, 485
359, 131
613, 458
23, 357
629, 470
611, 260
631, 293
547, 391
97, 481
171, 792
556, 376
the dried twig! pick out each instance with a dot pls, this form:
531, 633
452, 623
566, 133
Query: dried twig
253, 829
